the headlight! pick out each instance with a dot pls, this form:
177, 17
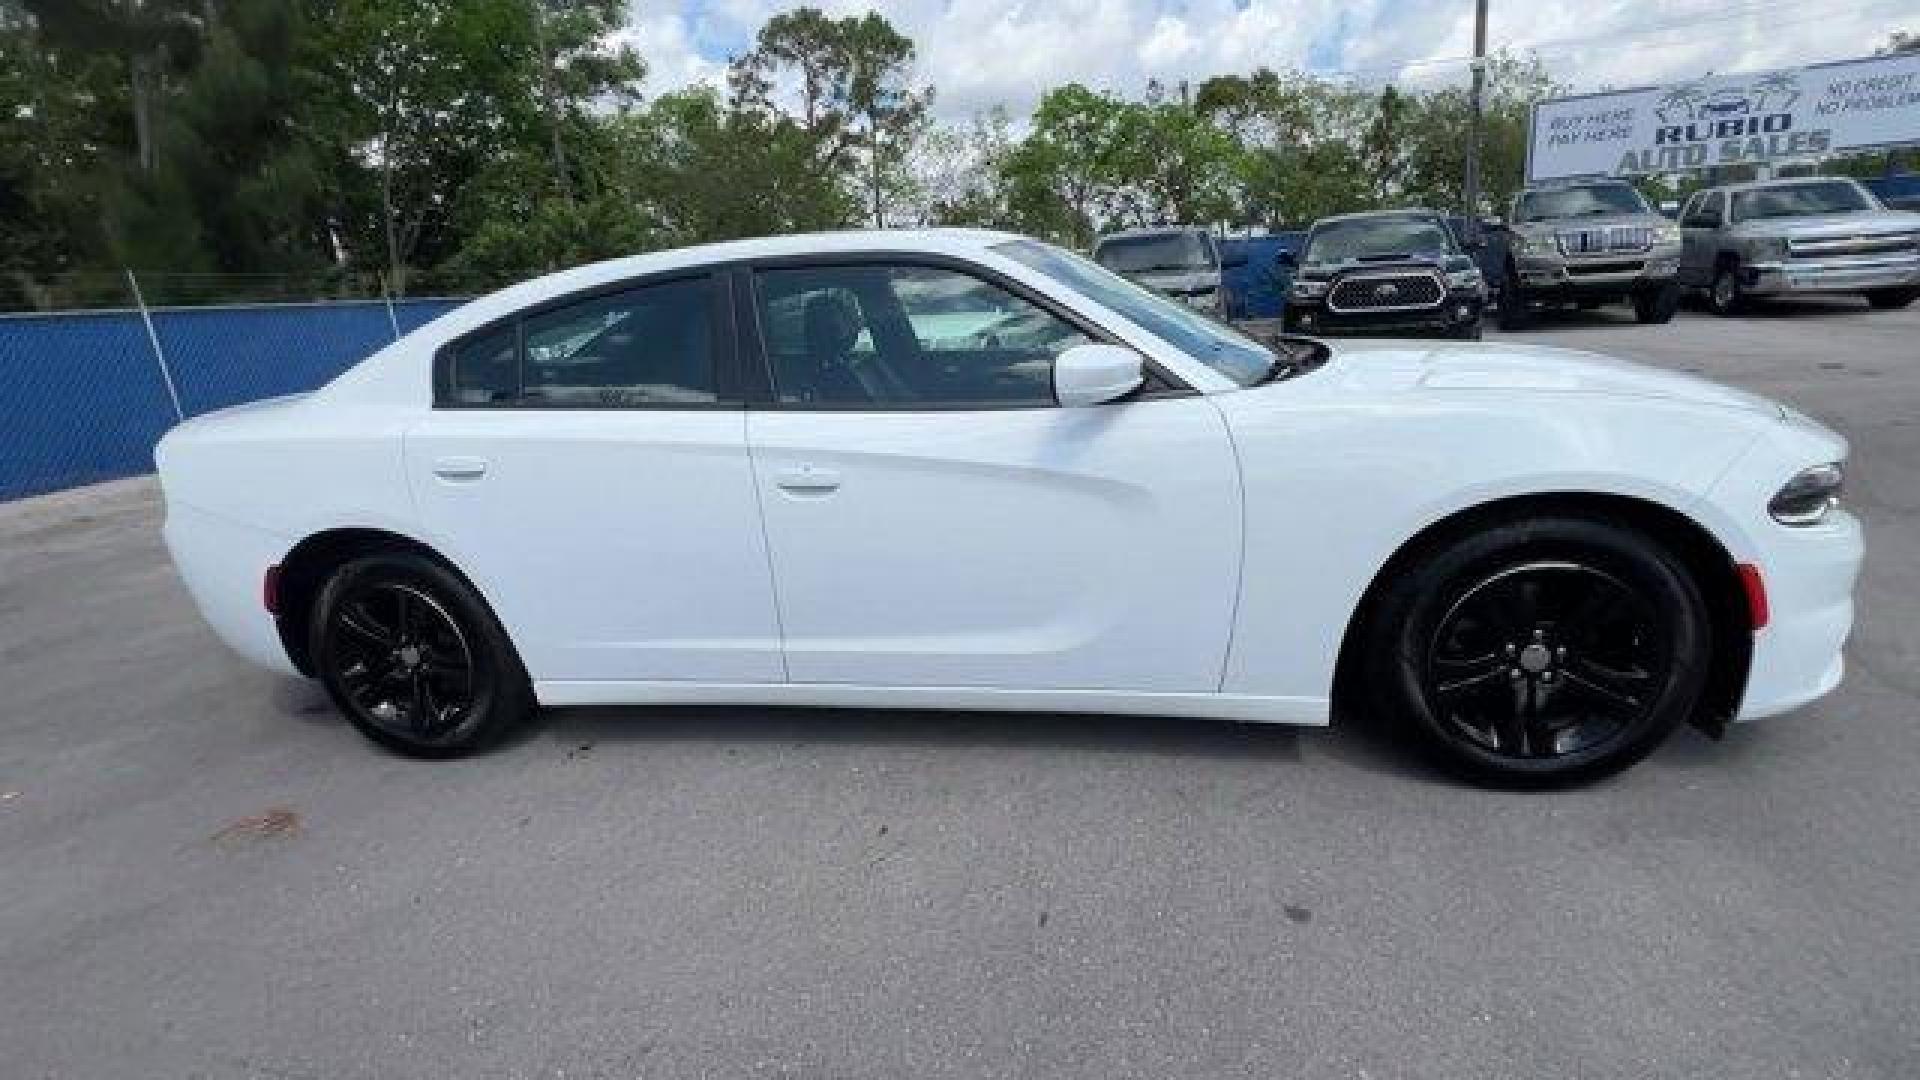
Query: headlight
1666, 234
1806, 498
1464, 279
1307, 288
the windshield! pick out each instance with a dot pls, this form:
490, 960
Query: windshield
1799, 200
1584, 201
1216, 345
1376, 238
1153, 252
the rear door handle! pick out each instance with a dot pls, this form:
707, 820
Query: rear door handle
807, 480
460, 468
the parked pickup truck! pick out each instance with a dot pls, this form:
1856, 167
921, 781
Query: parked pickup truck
1180, 261
1588, 244
1822, 234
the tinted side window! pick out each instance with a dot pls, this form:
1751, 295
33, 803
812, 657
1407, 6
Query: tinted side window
906, 337
651, 345
486, 369
647, 346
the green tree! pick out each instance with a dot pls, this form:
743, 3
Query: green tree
1065, 179
857, 97
1438, 135
56, 134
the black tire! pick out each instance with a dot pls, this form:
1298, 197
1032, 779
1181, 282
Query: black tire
1657, 305
412, 656
1606, 629
1893, 299
1725, 297
1516, 309
1465, 331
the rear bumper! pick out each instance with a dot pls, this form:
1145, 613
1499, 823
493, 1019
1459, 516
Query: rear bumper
1803, 276
224, 564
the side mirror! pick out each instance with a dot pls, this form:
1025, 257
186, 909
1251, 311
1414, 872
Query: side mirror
1286, 257
1096, 373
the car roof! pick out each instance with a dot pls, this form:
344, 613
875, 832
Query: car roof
1780, 181
961, 242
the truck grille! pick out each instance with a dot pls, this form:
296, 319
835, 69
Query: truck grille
1891, 243
1595, 241
1402, 291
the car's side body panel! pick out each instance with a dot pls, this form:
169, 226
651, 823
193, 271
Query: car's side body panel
1094, 548
614, 544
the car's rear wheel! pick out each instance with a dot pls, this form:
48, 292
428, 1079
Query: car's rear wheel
1543, 652
1657, 305
1893, 299
414, 659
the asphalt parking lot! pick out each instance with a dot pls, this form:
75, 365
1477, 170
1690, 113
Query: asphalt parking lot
204, 872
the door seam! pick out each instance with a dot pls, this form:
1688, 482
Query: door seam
766, 538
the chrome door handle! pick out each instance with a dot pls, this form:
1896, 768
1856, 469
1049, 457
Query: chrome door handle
806, 479
460, 468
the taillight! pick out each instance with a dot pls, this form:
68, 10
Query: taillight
270, 589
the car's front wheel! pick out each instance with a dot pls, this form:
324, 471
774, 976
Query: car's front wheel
1541, 652
1658, 304
413, 657
1893, 299
1725, 296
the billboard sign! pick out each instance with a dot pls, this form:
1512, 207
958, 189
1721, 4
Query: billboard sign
1728, 120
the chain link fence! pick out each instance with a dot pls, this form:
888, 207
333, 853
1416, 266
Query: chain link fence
85, 395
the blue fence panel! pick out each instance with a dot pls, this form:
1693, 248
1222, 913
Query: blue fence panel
1257, 288
228, 356
81, 400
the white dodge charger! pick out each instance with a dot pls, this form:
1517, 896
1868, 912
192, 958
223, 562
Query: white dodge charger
968, 470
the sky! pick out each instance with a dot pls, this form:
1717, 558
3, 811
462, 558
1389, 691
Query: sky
985, 53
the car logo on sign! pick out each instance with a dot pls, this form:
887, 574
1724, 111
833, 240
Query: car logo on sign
1386, 290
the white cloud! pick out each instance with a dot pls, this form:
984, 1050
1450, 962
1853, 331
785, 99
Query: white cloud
981, 53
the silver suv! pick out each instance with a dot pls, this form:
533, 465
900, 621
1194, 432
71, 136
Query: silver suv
1822, 234
1588, 244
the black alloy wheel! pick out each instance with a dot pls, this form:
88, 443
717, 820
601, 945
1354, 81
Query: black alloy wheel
1544, 659
1543, 652
414, 659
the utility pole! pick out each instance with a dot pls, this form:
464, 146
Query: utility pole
1472, 171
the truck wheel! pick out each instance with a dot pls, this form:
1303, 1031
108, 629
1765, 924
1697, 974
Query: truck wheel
1516, 312
1725, 296
1893, 299
1657, 305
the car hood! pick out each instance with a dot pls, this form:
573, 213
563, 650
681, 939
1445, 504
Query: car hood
1179, 281
1374, 368
1833, 226
1593, 221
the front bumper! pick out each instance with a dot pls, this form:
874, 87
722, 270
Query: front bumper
1461, 308
1812, 277
1614, 273
1810, 575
